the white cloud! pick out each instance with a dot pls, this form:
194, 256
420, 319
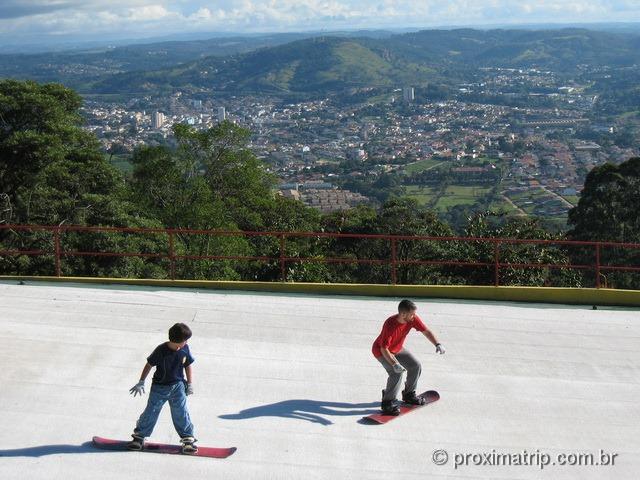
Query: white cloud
154, 17
147, 13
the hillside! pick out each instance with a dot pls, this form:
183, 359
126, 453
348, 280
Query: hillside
329, 64
76, 67
556, 50
296, 64
311, 66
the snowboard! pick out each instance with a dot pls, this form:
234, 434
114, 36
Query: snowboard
430, 397
121, 445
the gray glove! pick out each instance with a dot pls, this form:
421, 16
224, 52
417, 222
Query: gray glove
398, 368
189, 390
439, 348
137, 389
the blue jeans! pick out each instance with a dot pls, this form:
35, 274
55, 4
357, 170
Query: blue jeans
159, 394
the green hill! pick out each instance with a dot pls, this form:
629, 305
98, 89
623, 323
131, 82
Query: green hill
309, 66
330, 64
558, 50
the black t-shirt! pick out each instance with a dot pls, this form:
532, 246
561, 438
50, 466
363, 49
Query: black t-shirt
169, 364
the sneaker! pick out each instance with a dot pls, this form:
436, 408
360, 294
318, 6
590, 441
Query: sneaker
412, 399
188, 445
136, 444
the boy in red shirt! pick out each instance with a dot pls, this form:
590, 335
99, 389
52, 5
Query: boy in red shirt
388, 350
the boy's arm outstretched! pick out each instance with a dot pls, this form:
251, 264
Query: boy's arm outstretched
138, 388
432, 338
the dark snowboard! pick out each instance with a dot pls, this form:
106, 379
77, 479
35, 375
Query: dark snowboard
430, 397
121, 445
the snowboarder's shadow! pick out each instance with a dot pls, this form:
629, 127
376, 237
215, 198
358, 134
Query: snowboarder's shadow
42, 450
310, 410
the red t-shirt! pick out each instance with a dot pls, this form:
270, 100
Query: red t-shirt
393, 334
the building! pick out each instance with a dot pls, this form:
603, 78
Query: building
139, 118
222, 114
408, 94
587, 147
157, 120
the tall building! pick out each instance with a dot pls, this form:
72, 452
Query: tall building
408, 94
222, 114
157, 120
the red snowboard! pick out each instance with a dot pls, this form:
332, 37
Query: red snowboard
121, 445
430, 397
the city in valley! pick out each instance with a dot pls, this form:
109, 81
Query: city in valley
516, 142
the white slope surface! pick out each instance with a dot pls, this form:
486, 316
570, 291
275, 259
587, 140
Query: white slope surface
286, 379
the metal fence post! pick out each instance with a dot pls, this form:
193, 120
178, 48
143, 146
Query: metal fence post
172, 257
597, 265
496, 260
56, 242
283, 271
394, 264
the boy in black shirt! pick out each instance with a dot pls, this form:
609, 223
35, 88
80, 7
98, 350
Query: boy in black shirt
170, 359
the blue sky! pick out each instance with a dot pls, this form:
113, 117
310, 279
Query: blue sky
57, 19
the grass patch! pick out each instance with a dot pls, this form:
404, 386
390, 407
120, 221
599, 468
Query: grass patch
502, 206
572, 199
424, 195
528, 195
327, 161
382, 98
421, 166
460, 195
357, 64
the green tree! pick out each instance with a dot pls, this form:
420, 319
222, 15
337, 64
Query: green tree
286, 215
608, 206
39, 124
396, 217
212, 181
53, 172
169, 186
608, 211
235, 176
483, 225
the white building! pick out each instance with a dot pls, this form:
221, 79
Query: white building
408, 94
157, 120
222, 114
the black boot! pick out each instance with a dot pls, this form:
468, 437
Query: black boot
137, 443
412, 399
389, 407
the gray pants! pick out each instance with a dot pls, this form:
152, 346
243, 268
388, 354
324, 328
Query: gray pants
414, 369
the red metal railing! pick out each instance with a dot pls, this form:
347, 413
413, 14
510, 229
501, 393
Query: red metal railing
394, 262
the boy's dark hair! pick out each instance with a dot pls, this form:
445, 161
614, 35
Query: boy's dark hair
406, 306
179, 333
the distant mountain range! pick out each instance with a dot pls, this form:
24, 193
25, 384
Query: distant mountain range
291, 64
558, 50
36, 44
77, 65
